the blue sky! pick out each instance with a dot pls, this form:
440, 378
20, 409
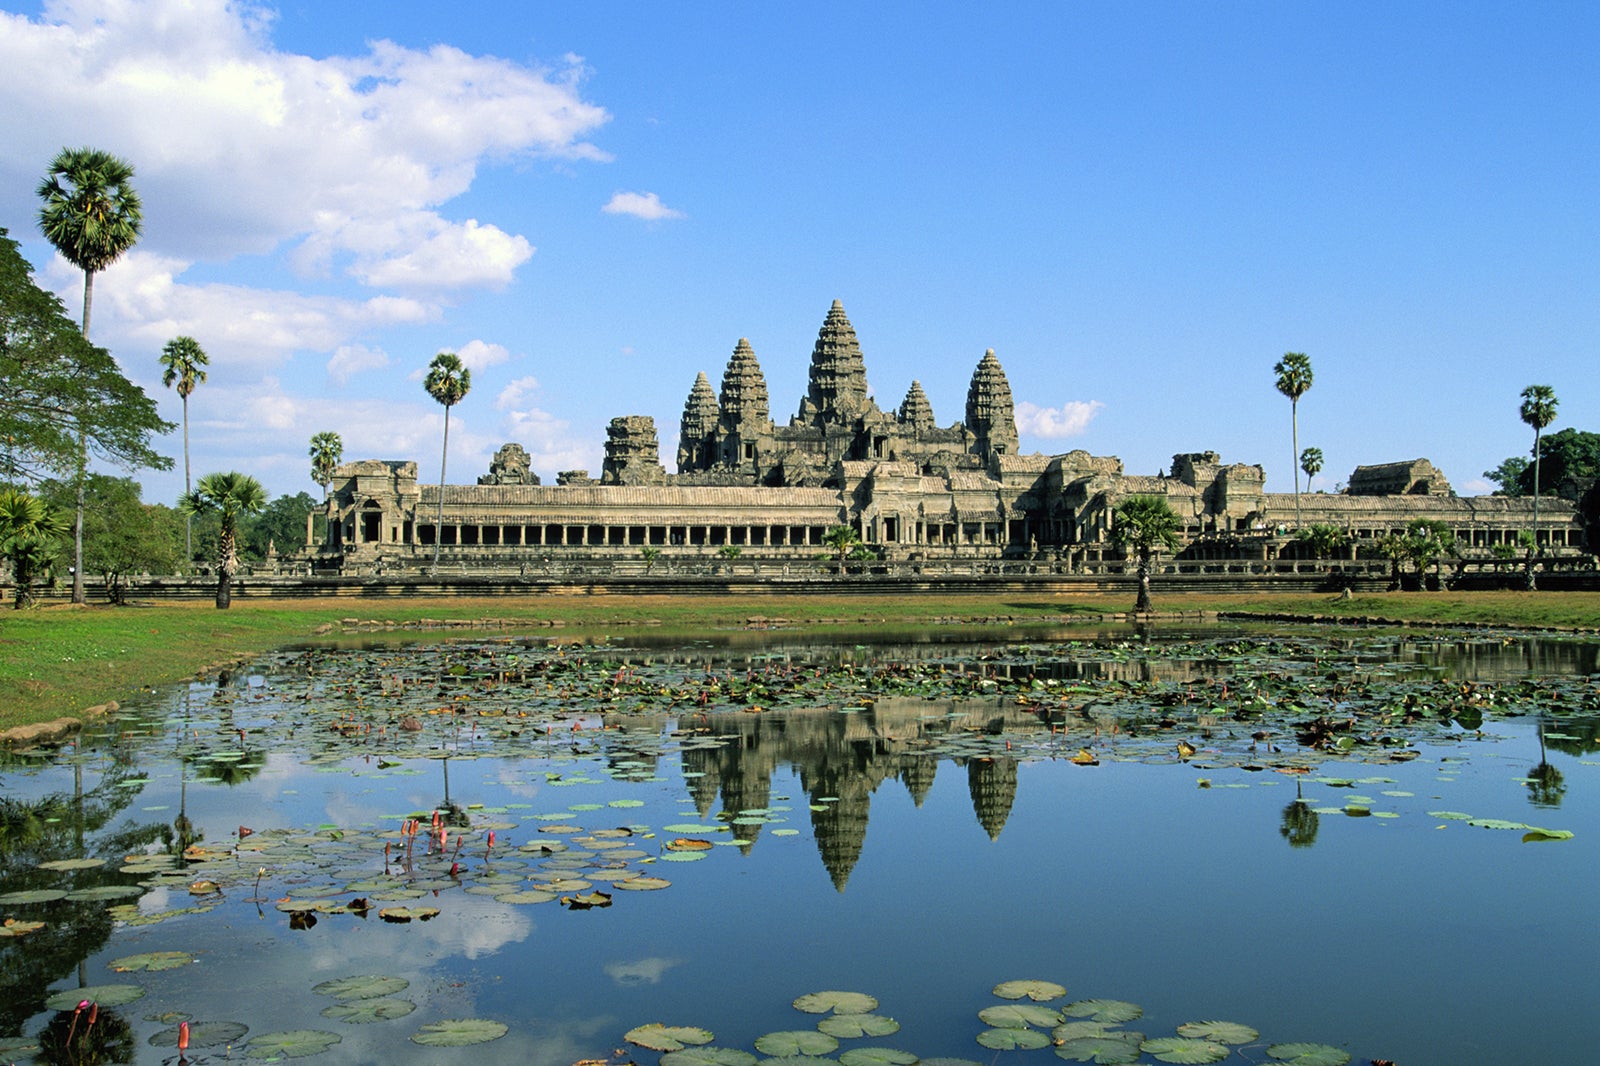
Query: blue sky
1140, 207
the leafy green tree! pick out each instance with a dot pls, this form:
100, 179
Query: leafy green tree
54, 386
844, 540
281, 525
91, 214
1508, 475
30, 535
1426, 542
1293, 380
228, 495
649, 555
183, 364
1538, 410
1323, 540
1145, 524
1569, 461
122, 535
1311, 463
448, 382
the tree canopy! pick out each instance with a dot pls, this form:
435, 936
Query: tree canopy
54, 383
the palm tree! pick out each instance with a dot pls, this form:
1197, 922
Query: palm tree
184, 363
1311, 463
230, 495
91, 215
1538, 410
1145, 523
327, 448
844, 540
28, 535
1294, 378
448, 381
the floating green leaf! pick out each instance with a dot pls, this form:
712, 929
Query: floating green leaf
152, 960
202, 1034
837, 1002
796, 1042
1536, 834
459, 1032
363, 1011
708, 1056
100, 893
851, 1026
105, 995
367, 986
72, 864
1110, 1049
37, 895
290, 1044
1114, 1011
641, 884
1308, 1054
1183, 1050
1038, 991
1013, 1039
877, 1056
1221, 1032
1019, 1016
531, 895
658, 1037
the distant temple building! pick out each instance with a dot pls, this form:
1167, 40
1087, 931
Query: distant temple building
909, 487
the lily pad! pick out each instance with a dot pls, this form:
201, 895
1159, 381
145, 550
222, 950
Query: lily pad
364, 1011
1308, 1054
290, 1044
837, 1002
1013, 1039
1107, 1050
459, 1032
18, 927
105, 995
1113, 1011
72, 864
877, 1056
152, 960
1183, 1050
1537, 834
202, 1034
104, 892
367, 986
708, 1056
1019, 1016
658, 1037
1221, 1032
1038, 991
37, 895
402, 915
531, 895
850, 1026
642, 884
796, 1042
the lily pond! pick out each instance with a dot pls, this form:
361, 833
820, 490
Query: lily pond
968, 847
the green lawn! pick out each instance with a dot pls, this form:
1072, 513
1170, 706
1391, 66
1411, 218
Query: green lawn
58, 660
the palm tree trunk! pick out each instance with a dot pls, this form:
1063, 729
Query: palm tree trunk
188, 519
438, 525
1142, 604
1294, 460
1533, 549
227, 563
83, 463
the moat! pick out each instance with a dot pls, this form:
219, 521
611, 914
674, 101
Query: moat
1373, 846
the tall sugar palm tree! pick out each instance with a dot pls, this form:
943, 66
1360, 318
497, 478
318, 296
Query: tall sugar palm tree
1293, 379
184, 364
91, 214
231, 495
1145, 523
327, 448
1311, 463
1538, 410
447, 382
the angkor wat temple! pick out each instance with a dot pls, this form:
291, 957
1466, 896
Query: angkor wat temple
910, 488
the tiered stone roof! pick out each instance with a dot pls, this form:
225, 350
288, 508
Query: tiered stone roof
699, 410
744, 388
916, 412
990, 413
838, 384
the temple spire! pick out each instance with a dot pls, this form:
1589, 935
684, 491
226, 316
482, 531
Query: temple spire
838, 387
916, 412
990, 415
744, 388
699, 422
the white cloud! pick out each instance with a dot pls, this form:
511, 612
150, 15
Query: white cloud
351, 359
646, 971
646, 205
516, 393
1071, 419
1479, 487
241, 148
480, 355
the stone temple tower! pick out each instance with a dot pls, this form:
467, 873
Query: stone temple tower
838, 389
699, 422
990, 416
744, 422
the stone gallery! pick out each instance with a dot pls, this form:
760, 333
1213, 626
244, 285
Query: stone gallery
910, 488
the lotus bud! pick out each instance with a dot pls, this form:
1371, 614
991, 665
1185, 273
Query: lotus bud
183, 1036
491, 838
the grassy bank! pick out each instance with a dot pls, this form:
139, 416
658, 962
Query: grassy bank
56, 661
